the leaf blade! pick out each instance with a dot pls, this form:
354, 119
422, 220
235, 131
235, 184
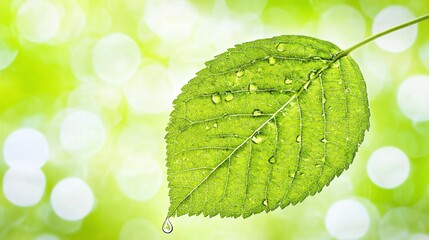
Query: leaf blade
230, 135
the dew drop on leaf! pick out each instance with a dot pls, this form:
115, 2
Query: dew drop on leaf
298, 139
288, 81
167, 227
265, 202
229, 96
281, 47
252, 88
240, 73
216, 98
271, 61
272, 160
257, 113
257, 139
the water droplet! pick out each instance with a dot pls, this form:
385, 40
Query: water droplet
347, 90
271, 61
207, 127
216, 98
288, 81
252, 88
272, 160
312, 75
323, 140
257, 138
318, 165
265, 202
229, 96
340, 81
259, 69
215, 125
292, 175
298, 139
240, 73
281, 47
323, 100
257, 113
167, 227
337, 64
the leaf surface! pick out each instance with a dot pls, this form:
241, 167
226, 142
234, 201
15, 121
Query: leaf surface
264, 125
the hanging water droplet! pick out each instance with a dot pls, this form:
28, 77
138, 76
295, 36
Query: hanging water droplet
323, 140
265, 202
272, 160
216, 98
298, 139
323, 100
167, 227
253, 88
215, 125
229, 96
271, 61
240, 73
281, 47
257, 113
257, 138
288, 81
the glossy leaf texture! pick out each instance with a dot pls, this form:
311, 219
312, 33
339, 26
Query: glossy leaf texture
265, 124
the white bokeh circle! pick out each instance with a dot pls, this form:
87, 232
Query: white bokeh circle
413, 98
82, 133
24, 187
72, 199
140, 178
150, 91
335, 23
397, 41
388, 167
26, 147
347, 219
38, 20
116, 58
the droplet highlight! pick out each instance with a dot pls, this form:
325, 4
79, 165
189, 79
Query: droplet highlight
271, 61
215, 125
240, 73
257, 113
229, 96
323, 140
216, 98
272, 160
288, 81
167, 227
298, 139
253, 88
257, 139
281, 47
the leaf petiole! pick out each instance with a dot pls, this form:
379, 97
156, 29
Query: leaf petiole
393, 29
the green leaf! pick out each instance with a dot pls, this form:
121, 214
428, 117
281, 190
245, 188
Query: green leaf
264, 125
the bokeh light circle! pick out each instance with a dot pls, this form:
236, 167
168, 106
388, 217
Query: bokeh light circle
150, 91
82, 133
72, 199
140, 178
347, 219
413, 98
26, 147
397, 41
38, 20
24, 187
388, 167
116, 58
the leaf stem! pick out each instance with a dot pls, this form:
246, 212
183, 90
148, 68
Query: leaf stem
350, 49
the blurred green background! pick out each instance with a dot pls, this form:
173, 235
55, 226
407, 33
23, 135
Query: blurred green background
86, 89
